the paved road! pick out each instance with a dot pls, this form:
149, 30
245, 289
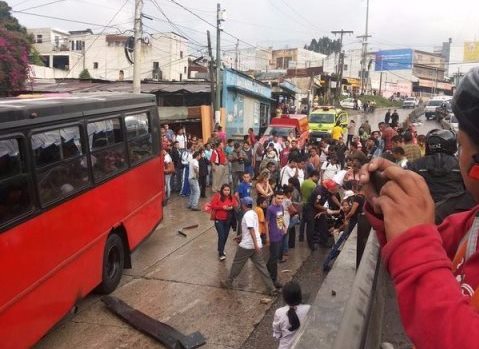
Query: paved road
176, 280
422, 125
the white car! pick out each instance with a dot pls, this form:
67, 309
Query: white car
348, 103
410, 102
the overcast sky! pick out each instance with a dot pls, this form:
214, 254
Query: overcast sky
419, 24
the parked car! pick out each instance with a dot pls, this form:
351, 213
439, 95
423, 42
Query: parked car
322, 121
410, 102
348, 103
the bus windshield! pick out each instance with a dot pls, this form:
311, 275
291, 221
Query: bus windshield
321, 118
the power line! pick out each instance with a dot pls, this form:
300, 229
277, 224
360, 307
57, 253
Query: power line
173, 25
67, 20
104, 28
48, 3
299, 14
214, 26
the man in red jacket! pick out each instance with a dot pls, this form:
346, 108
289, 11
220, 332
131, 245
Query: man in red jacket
435, 269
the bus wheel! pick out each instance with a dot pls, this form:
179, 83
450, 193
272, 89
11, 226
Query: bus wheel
113, 263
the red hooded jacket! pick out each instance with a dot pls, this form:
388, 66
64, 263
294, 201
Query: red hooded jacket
433, 301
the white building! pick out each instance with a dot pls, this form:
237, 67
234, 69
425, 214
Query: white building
255, 58
164, 56
296, 58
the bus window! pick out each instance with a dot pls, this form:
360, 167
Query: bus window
108, 149
140, 146
59, 163
15, 199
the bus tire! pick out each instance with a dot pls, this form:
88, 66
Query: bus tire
113, 264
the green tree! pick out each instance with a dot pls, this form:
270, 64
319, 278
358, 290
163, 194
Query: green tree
9, 22
15, 46
35, 57
325, 45
84, 75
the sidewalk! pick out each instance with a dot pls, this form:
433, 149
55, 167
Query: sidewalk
175, 279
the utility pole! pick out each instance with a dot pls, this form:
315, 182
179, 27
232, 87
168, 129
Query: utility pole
341, 60
380, 83
364, 50
137, 49
212, 78
219, 19
237, 54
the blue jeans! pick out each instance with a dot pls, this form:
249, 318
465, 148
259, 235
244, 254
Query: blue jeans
223, 229
195, 193
167, 186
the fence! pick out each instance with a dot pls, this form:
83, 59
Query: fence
348, 315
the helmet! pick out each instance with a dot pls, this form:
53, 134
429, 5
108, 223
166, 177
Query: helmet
465, 104
441, 141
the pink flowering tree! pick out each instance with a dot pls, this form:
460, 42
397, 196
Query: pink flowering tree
14, 51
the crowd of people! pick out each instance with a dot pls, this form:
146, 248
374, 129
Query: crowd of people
273, 193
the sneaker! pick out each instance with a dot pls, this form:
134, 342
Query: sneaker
278, 284
195, 209
222, 258
226, 284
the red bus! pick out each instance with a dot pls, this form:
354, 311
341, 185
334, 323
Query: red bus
81, 186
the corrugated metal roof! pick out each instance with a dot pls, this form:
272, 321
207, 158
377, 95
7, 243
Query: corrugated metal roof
75, 86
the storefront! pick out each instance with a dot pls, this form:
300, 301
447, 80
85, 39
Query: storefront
247, 103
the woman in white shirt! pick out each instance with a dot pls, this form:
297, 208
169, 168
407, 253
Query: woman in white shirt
289, 318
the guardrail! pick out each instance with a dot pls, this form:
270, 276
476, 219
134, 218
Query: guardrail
348, 315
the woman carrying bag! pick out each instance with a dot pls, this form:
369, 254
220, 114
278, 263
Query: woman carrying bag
222, 206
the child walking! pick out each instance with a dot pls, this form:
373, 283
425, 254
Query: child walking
288, 319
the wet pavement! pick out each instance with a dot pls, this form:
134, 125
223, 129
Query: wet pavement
175, 279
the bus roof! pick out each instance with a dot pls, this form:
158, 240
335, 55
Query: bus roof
35, 106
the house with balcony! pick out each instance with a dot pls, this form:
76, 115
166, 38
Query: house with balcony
164, 56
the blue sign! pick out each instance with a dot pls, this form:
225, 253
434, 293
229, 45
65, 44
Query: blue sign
394, 60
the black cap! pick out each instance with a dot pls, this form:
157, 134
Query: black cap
465, 104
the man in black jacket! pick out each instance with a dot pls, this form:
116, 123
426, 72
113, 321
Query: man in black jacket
440, 168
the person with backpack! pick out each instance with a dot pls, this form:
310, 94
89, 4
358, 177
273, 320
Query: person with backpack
223, 204
288, 319
434, 268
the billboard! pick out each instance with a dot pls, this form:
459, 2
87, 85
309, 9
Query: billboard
471, 51
394, 60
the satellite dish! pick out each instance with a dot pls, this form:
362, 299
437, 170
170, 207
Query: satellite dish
129, 48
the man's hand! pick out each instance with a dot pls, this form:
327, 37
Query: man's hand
404, 200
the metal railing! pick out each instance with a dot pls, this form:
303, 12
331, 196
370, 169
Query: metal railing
348, 310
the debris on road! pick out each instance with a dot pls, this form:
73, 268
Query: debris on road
165, 334
181, 233
265, 300
191, 226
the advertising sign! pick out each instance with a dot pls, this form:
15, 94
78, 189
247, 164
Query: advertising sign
394, 60
471, 52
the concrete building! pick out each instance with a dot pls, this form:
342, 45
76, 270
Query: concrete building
164, 55
247, 103
249, 59
409, 72
296, 58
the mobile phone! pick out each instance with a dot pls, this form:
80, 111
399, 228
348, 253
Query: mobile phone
377, 180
